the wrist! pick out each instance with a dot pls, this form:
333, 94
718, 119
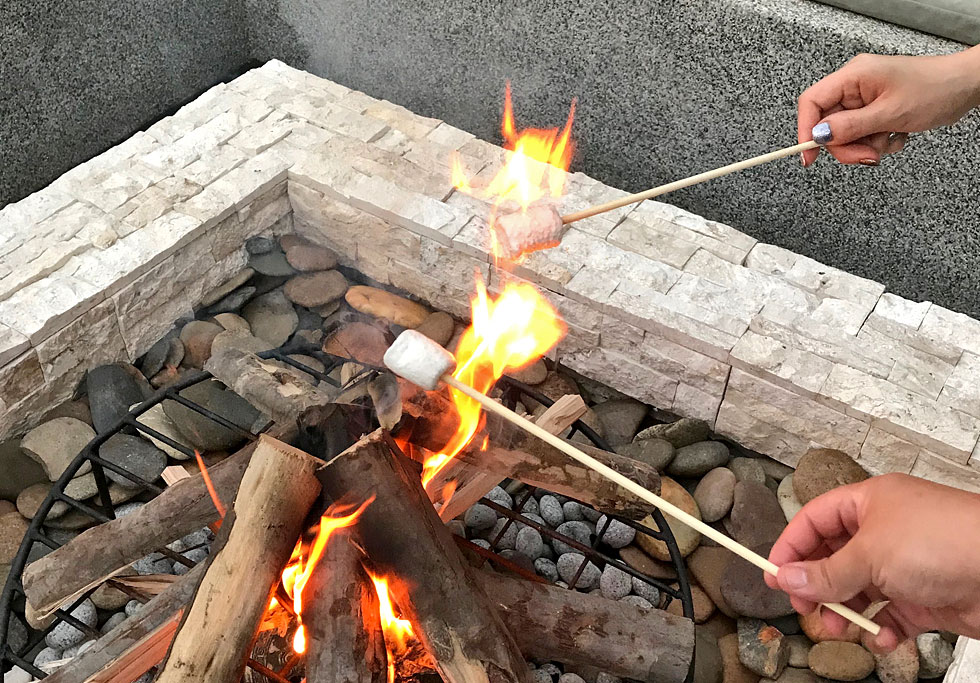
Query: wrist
969, 65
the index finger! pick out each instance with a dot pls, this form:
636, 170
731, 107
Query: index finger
816, 102
827, 519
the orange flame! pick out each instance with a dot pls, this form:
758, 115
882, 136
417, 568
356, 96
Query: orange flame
536, 167
303, 561
507, 333
218, 505
397, 632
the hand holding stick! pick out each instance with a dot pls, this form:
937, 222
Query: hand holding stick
422, 361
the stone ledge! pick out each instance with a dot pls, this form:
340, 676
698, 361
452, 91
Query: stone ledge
778, 351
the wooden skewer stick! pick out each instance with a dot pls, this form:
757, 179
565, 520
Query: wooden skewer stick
640, 492
687, 182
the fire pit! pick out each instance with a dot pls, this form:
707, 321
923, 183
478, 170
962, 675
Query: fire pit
770, 350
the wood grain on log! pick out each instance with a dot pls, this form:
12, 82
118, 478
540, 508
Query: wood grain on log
256, 539
408, 544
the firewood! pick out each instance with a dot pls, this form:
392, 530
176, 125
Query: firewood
346, 644
104, 550
553, 623
256, 539
408, 544
136, 645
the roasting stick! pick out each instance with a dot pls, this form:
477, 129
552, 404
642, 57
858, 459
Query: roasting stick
420, 360
688, 182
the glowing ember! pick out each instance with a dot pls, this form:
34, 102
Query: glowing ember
300, 567
536, 167
509, 332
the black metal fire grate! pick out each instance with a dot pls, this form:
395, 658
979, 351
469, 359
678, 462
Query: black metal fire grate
12, 597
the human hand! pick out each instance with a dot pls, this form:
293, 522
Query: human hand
894, 537
854, 110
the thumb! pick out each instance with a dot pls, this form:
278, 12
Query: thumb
833, 579
848, 125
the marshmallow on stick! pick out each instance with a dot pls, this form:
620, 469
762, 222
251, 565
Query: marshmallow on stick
422, 361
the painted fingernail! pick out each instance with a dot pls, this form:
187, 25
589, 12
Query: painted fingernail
803, 159
868, 162
822, 134
793, 577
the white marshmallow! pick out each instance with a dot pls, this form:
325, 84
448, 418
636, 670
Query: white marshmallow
419, 359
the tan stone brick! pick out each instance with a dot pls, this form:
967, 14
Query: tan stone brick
902, 311
912, 417
38, 310
770, 259
655, 240
951, 327
260, 136
781, 362
215, 164
962, 389
622, 374
92, 339
189, 148
401, 119
885, 332
12, 344
692, 402
825, 281
410, 210
745, 428
19, 378
935, 468
883, 453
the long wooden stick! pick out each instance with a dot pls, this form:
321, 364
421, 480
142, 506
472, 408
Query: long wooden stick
640, 492
687, 182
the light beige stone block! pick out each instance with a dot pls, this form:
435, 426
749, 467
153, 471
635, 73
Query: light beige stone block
399, 118
757, 353
951, 327
840, 314
90, 340
212, 166
413, 211
748, 430
692, 402
962, 389
830, 282
902, 311
656, 240
260, 136
193, 145
938, 469
38, 310
449, 136
879, 329
622, 374
19, 378
883, 453
936, 427
770, 259
12, 344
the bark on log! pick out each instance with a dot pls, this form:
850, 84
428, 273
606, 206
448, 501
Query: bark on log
100, 552
579, 629
408, 544
136, 645
256, 540
346, 644
515, 453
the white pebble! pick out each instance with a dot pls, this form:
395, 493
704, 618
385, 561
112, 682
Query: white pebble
17, 675
541, 676
603, 677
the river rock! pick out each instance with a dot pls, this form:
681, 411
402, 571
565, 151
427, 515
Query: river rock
814, 628
309, 258
383, 304
480, 517
568, 565
238, 340
533, 374
641, 562
748, 469
82, 487
757, 518
359, 341
54, 444
108, 598
111, 390
715, 493
19, 470
620, 419
746, 592
551, 511
232, 322
774, 468
196, 336
157, 419
12, 530
702, 604
154, 359
823, 469
439, 327
134, 455
935, 655
841, 661
901, 665
698, 458
272, 263
801, 675
7, 507
227, 287
615, 583
576, 531
529, 543
234, 301
206, 434
683, 432
316, 289
798, 647
762, 648
787, 498
655, 452
65, 635
271, 317
645, 590
707, 657
733, 671
687, 539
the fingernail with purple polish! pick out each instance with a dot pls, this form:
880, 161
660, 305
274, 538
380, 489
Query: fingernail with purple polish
822, 134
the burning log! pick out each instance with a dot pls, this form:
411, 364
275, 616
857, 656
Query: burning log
346, 643
256, 540
407, 542
102, 551
579, 629
514, 453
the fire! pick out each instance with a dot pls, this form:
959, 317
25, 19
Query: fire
507, 333
397, 632
536, 167
301, 564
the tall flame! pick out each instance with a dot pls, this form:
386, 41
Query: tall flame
300, 567
535, 169
397, 632
507, 333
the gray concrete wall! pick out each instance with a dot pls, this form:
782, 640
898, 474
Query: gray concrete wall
79, 76
668, 88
